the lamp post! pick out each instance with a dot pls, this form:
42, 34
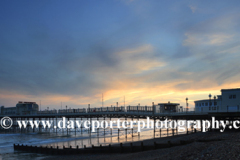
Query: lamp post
66, 108
186, 104
210, 101
214, 102
152, 107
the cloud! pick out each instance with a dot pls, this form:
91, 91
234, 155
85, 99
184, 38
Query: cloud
82, 75
138, 60
193, 8
212, 39
207, 39
219, 39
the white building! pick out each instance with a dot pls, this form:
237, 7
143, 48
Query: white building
229, 101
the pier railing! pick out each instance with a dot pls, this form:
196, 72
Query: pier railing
82, 110
107, 109
47, 112
139, 109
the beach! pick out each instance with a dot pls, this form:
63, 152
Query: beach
214, 145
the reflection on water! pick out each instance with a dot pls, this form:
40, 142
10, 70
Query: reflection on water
74, 138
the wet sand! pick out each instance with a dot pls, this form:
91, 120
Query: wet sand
227, 147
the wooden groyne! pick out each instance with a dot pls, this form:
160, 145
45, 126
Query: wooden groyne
97, 149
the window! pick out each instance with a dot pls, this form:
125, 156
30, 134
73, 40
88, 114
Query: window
196, 104
232, 96
215, 103
210, 103
206, 104
209, 108
202, 104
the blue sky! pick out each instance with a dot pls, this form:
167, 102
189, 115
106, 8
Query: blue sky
148, 51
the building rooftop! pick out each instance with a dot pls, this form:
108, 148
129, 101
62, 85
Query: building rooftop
169, 103
204, 100
233, 89
26, 102
8, 107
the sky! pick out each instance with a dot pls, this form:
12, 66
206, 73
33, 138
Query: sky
73, 52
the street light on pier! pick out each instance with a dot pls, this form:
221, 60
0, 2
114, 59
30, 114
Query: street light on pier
209, 100
214, 103
187, 104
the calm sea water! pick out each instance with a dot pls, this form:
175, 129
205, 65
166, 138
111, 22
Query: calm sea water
73, 138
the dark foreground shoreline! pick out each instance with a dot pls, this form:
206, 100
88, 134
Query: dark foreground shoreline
210, 145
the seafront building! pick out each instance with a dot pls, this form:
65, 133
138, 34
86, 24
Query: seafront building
228, 101
22, 108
